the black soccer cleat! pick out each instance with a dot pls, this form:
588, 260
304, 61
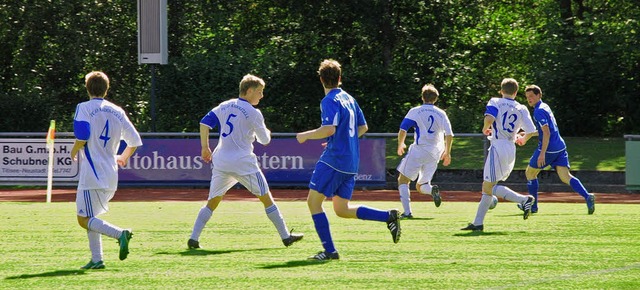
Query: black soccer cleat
393, 224
292, 239
325, 256
526, 206
591, 204
193, 244
435, 192
405, 215
472, 227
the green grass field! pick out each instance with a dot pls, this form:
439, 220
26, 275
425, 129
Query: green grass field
560, 248
602, 154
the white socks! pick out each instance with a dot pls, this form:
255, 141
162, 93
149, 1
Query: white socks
426, 188
483, 207
405, 197
103, 227
203, 217
508, 194
95, 245
276, 218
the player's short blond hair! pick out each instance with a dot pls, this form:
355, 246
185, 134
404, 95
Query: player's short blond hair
536, 90
330, 72
250, 81
430, 93
509, 86
97, 84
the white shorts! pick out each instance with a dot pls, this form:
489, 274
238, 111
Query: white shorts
93, 202
222, 181
500, 161
419, 164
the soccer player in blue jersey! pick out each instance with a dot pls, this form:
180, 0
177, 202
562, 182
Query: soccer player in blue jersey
432, 143
334, 175
233, 160
98, 126
551, 151
504, 118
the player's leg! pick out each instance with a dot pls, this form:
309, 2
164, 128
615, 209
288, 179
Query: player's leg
424, 180
220, 184
576, 185
90, 204
531, 174
257, 184
408, 170
321, 187
405, 195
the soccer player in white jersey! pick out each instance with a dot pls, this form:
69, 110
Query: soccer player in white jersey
504, 118
551, 151
334, 175
432, 143
233, 160
98, 126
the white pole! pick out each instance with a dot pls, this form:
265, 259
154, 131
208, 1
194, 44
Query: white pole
50, 143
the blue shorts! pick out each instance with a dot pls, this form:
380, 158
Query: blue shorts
330, 182
560, 158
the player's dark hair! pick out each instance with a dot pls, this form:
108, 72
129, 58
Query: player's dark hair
330, 72
534, 89
430, 93
509, 86
97, 84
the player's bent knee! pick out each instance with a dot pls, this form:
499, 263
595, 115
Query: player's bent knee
83, 221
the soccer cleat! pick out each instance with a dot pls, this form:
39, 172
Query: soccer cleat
292, 238
193, 244
393, 224
435, 192
405, 215
472, 227
92, 265
526, 206
591, 203
325, 256
123, 240
533, 210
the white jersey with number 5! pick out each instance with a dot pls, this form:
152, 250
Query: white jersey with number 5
240, 125
102, 125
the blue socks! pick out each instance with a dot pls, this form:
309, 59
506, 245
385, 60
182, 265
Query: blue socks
324, 232
366, 213
578, 187
532, 185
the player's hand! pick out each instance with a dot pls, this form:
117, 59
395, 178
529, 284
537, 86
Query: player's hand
74, 156
121, 161
541, 160
520, 140
206, 154
446, 159
401, 149
301, 138
487, 132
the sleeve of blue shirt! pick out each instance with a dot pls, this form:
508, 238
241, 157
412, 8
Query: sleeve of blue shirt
408, 124
491, 110
328, 111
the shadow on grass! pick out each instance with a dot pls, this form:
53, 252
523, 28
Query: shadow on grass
296, 263
475, 234
201, 252
57, 273
416, 219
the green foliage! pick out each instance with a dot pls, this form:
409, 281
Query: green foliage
586, 64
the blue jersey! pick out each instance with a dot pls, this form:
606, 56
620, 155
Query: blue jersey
542, 116
341, 110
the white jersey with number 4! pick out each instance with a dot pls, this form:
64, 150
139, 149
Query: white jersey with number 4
240, 125
102, 125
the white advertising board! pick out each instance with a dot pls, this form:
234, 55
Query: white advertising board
27, 160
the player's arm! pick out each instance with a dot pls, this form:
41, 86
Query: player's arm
318, 133
205, 151
77, 145
446, 155
126, 154
546, 136
402, 136
362, 129
488, 121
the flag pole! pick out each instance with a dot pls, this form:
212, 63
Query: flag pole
50, 142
